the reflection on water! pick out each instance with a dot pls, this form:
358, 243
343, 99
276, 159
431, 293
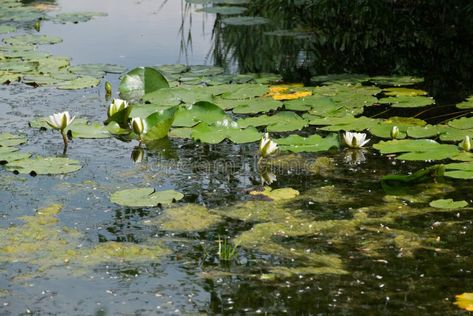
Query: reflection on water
135, 33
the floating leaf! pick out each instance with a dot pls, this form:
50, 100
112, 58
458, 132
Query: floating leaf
140, 81
8, 154
158, 124
400, 91
314, 143
145, 197
448, 204
257, 105
343, 79
7, 29
417, 149
319, 105
346, 123
462, 123
459, 170
7, 139
406, 101
216, 133
467, 104
277, 194
396, 80
246, 91
79, 83
280, 122
87, 130
40, 165
76, 17
425, 131
199, 112
32, 39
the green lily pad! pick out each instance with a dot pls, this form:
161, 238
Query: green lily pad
96, 70
344, 79
216, 133
467, 104
246, 91
284, 121
462, 123
52, 64
76, 17
16, 65
8, 154
145, 197
401, 91
314, 143
450, 134
404, 101
79, 83
7, 139
184, 132
320, 105
32, 39
4, 29
223, 10
199, 112
87, 130
44, 166
257, 105
417, 149
172, 68
448, 204
459, 170
140, 81
158, 124
345, 123
425, 131
245, 20
396, 80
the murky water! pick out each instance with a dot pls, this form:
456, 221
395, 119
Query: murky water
342, 247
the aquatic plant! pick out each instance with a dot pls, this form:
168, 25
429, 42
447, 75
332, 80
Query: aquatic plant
226, 251
138, 126
116, 106
267, 147
394, 132
60, 121
355, 140
466, 144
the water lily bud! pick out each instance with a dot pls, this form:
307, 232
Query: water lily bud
37, 25
355, 140
116, 106
394, 132
138, 125
108, 88
60, 120
466, 144
267, 147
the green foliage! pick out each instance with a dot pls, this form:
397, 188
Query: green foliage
140, 81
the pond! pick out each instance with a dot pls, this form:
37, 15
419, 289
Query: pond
165, 196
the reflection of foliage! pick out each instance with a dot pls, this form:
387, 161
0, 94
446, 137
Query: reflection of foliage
427, 38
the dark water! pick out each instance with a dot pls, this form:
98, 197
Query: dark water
191, 280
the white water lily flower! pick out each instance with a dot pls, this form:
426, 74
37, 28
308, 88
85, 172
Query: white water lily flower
60, 121
355, 140
268, 178
267, 146
116, 106
138, 125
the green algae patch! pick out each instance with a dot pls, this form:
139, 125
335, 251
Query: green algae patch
277, 194
286, 272
186, 218
43, 243
256, 211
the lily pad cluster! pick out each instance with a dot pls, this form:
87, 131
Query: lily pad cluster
21, 162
